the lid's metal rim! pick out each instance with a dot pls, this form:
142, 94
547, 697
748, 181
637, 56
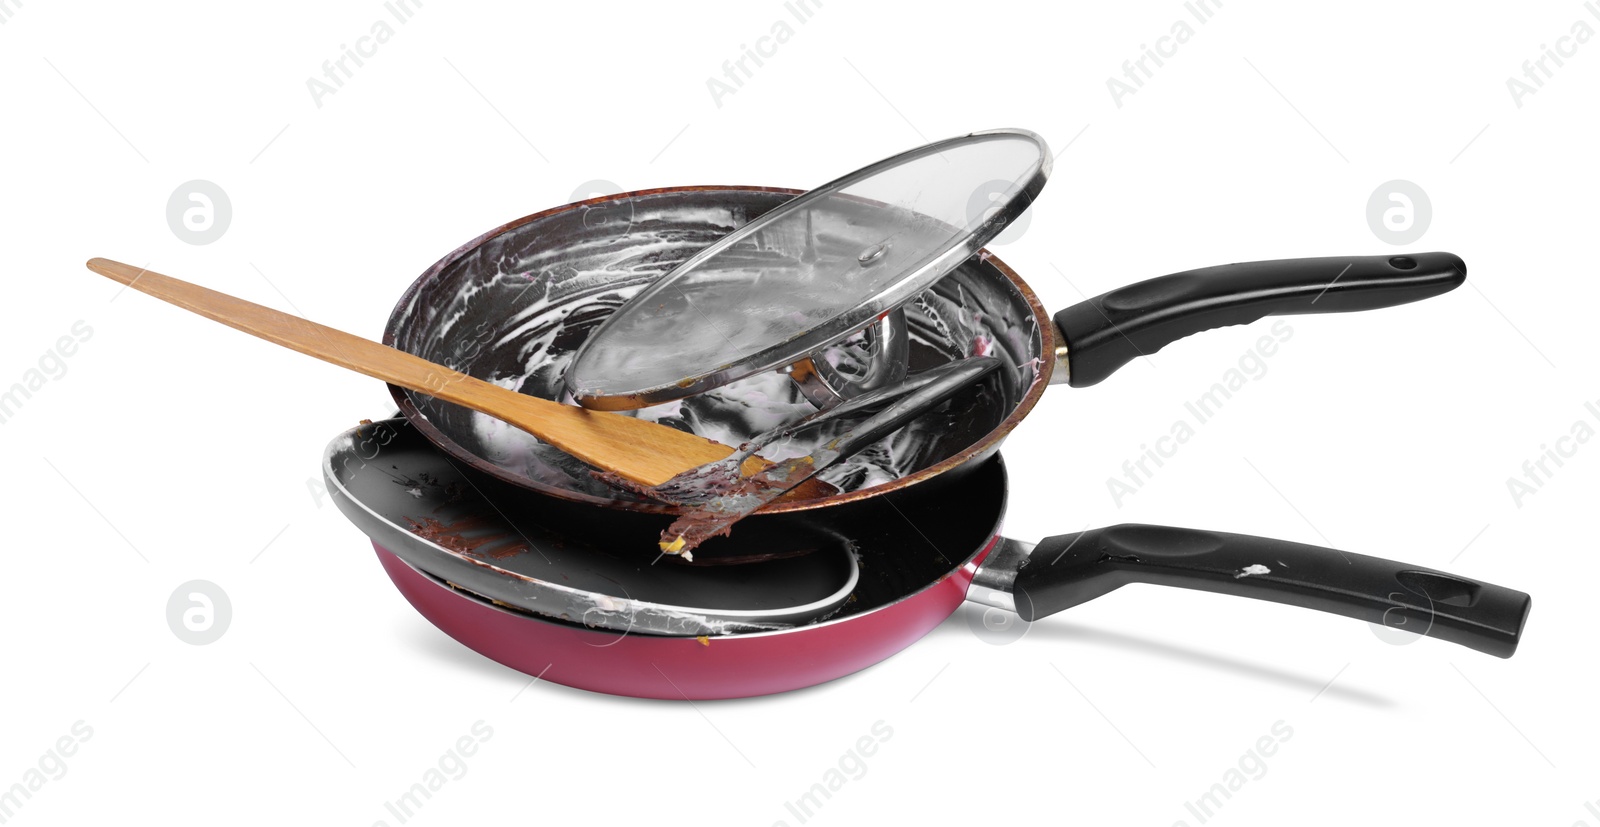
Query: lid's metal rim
796, 348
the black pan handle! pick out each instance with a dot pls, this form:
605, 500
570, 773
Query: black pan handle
1073, 568
1108, 331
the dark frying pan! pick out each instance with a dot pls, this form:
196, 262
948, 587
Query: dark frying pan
513, 305
586, 610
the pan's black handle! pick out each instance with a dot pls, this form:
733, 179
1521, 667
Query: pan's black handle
1072, 568
1108, 331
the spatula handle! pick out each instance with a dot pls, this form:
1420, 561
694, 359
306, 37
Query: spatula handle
328, 344
637, 449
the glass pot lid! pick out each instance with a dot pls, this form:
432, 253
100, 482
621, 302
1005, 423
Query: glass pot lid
811, 272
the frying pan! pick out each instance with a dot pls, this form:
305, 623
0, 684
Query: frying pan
590, 611
513, 306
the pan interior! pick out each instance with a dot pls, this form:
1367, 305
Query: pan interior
514, 306
598, 568
520, 548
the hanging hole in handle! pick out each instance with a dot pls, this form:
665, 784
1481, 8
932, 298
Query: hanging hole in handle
1403, 263
1440, 588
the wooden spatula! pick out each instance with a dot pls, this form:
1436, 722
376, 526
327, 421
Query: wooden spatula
641, 451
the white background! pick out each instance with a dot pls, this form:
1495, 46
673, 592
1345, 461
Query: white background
1391, 433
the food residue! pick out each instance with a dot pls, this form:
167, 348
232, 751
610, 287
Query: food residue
466, 536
